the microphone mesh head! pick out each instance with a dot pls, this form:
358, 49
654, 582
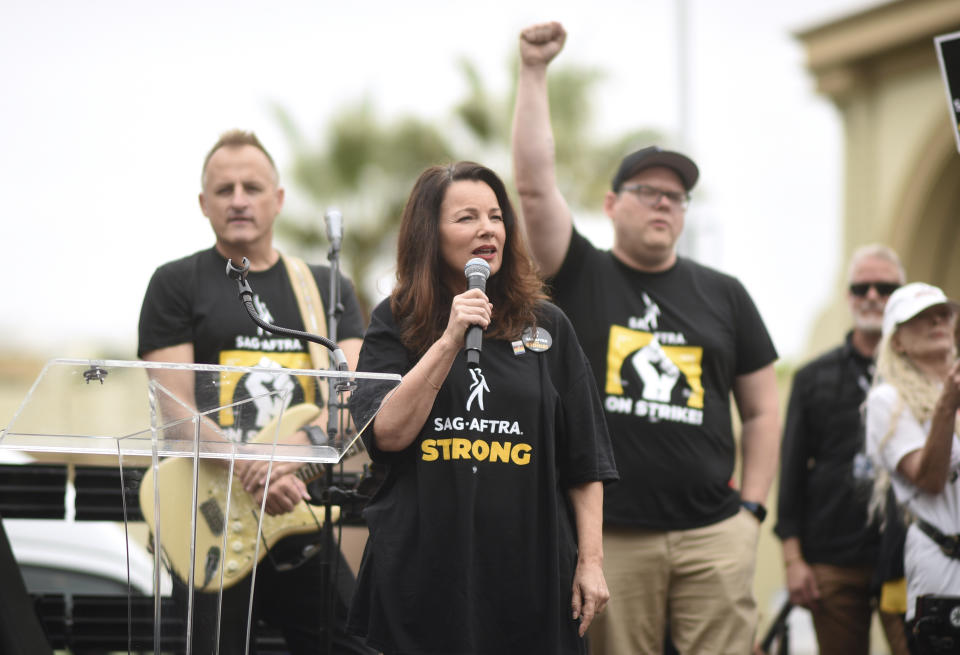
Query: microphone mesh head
477, 266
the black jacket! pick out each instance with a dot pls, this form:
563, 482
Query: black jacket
825, 483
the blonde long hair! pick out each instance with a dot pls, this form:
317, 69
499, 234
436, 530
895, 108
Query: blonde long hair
916, 392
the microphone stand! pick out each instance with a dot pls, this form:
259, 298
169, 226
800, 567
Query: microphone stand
330, 495
246, 298
778, 630
335, 434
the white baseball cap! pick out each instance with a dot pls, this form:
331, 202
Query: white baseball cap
908, 301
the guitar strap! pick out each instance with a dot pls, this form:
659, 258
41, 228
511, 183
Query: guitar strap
311, 307
311, 310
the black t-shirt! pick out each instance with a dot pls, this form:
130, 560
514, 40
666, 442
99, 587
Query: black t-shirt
191, 300
665, 349
472, 545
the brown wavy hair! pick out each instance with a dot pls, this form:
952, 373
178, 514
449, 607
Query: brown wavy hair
420, 301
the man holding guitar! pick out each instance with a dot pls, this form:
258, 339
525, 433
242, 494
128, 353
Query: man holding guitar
190, 314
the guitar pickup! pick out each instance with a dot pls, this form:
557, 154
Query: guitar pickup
213, 515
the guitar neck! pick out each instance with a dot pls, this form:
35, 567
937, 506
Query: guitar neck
313, 470
309, 472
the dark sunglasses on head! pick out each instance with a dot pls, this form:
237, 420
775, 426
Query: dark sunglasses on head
861, 289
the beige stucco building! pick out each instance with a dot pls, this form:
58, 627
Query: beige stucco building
901, 177
902, 168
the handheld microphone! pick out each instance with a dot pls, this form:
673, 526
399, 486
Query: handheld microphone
334, 228
477, 271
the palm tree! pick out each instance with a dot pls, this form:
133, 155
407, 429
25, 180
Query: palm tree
366, 166
366, 169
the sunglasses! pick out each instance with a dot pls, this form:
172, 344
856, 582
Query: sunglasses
860, 289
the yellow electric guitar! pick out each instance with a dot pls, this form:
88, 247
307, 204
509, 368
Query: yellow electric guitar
175, 489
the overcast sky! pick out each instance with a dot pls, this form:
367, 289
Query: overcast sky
109, 107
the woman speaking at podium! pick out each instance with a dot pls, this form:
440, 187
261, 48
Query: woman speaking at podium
485, 536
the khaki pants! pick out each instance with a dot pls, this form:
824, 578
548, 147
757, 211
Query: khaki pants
700, 580
842, 618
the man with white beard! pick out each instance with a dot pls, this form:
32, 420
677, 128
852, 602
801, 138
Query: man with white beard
830, 550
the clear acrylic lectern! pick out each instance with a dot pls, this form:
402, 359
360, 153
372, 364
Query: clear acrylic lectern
190, 429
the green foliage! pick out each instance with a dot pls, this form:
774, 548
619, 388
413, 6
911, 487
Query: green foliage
480, 113
366, 165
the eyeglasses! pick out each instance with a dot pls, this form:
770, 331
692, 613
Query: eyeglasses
860, 289
651, 195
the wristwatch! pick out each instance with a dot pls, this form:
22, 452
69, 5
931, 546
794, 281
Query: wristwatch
756, 509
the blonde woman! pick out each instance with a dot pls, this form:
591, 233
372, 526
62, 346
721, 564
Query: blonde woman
912, 428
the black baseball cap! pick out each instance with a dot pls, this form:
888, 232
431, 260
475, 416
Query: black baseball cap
657, 156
